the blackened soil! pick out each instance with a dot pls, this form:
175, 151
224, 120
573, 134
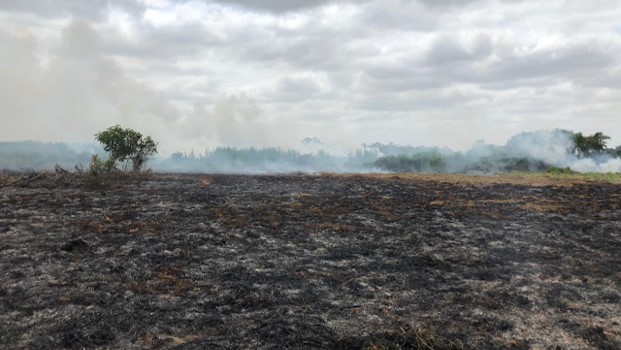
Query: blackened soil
309, 262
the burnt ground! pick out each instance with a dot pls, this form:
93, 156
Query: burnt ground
303, 261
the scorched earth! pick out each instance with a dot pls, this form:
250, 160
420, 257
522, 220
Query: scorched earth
311, 261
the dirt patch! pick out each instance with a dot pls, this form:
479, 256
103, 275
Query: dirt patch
302, 261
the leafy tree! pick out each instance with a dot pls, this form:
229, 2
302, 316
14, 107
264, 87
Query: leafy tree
127, 146
584, 146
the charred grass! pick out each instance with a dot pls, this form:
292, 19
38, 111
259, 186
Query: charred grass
311, 262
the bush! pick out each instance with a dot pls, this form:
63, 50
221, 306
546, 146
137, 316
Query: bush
127, 146
560, 171
522, 165
97, 174
420, 162
100, 174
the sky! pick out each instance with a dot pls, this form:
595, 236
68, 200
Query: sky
199, 74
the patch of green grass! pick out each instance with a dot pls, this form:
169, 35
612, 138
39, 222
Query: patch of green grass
560, 171
590, 177
564, 175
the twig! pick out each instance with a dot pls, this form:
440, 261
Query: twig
14, 181
347, 281
58, 178
109, 219
31, 179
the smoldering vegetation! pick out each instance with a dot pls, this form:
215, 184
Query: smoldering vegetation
526, 152
311, 262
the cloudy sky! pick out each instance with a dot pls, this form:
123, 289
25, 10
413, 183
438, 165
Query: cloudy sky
196, 74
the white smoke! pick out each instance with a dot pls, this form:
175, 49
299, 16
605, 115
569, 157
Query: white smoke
549, 146
553, 147
609, 165
238, 122
74, 92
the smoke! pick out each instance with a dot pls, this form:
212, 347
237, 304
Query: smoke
606, 165
553, 147
72, 92
69, 90
528, 151
550, 147
238, 122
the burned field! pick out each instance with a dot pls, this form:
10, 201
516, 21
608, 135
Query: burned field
301, 261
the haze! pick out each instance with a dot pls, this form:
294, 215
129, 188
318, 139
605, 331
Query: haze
198, 74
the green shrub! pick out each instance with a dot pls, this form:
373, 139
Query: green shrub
560, 171
98, 173
416, 163
127, 146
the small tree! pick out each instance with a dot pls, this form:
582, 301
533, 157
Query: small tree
585, 146
127, 146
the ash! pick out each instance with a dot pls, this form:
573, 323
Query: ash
310, 262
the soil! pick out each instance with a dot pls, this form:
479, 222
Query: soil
310, 262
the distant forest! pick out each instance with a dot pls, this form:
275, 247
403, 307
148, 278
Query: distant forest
31, 155
529, 151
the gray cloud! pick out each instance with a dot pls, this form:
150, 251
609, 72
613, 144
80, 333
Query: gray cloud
296, 88
90, 9
449, 49
277, 5
567, 61
200, 70
449, 60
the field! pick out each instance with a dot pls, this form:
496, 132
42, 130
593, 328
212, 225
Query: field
312, 262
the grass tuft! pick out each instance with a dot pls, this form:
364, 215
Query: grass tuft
411, 339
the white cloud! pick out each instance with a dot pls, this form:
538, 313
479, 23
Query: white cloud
443, 72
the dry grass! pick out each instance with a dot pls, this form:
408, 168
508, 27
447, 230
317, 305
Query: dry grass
334, 227
144, 227
485, 206
527, 179
7, 179
205, 182
545, 207
415, 339
171, 276
165, 339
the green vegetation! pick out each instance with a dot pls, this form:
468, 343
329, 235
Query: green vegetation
98, 174
126, 146
416, 163
560, 171
562, 174
589, 177
128, 151
271, 159
521, 154
586, 146
502, 163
